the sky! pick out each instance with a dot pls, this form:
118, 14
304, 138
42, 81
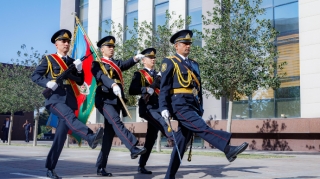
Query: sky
29, 22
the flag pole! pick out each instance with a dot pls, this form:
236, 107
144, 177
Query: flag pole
105, 71
85, 34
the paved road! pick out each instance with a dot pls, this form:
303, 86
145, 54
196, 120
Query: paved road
22, 161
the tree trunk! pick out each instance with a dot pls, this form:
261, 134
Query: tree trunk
230, 112
10, 128
159, 142
35, 128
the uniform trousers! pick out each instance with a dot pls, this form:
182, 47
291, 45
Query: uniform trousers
113, 125
5, 134
66, 120
26, 132
190, 122
155, 123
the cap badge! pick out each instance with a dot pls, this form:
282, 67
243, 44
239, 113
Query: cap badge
65, 35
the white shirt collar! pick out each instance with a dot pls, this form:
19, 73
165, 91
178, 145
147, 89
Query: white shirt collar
61, 55
107, 58
148, 68
182, 56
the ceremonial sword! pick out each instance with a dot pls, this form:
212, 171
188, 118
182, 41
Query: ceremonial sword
171, 130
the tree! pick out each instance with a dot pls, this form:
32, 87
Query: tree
36, 100
144, 35
240, 53
43, 118
19, 93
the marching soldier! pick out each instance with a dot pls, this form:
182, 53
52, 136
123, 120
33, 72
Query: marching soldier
181, 98
62, 102
146, 82
108, 74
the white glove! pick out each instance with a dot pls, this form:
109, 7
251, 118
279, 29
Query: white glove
116, 90
78, 64
150, 91
52, 85
138, 57
165, 114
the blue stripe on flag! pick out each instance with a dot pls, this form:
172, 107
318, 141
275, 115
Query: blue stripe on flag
80, 46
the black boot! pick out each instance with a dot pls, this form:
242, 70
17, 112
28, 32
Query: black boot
143, 170
232, 151
52, 174
93, 139
135, 151
102, 172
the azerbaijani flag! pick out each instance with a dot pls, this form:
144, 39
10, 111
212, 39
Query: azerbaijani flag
82, 47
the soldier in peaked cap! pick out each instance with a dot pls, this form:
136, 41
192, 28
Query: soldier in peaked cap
108, 41
62, 34
146, 82
108, 74
62, 102
181, 98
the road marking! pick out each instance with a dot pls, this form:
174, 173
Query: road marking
22, 174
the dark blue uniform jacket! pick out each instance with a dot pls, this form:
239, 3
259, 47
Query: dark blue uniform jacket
64, 93
170, 80
104, 92
139, 86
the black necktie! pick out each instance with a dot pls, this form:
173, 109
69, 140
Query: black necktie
188, 62
151, 72
65, 59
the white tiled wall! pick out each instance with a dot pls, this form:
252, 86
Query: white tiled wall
117, 13
66, 18
93, 21
309, 39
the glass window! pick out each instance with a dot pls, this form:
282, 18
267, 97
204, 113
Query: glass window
287, 97
84, 14
286, 18
195, 12
288, 101
130, 23
161, 6
160, 1
279, 2
131, 16
266, 3
262, 108
240, 109
105, 17
268, 14
132, 5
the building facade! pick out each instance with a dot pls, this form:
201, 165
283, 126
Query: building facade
298, 23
